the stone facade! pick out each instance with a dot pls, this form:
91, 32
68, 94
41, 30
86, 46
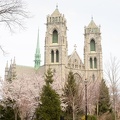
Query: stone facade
56, 52
57, 49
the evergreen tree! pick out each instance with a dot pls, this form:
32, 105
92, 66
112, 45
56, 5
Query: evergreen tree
71, 98
6, 110
50, 108
104, 99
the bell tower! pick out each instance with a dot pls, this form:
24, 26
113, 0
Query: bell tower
56, 43
93, 52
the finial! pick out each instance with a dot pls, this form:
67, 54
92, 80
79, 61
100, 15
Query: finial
11, 61
56, 6
38, 39
75, 47
14, 61
38, 29
91, 17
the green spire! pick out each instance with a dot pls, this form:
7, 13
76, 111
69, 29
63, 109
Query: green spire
37, 54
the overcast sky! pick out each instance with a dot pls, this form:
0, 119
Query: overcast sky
78, 13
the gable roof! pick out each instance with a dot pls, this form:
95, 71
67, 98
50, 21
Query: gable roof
92, 25
74, 55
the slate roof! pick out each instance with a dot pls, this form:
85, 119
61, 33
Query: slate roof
20, 70
56, 13
92, 25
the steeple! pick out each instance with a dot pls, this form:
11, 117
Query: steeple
92, 28
56, 43
92, 24
14, 64
37, 54
56, 13
93, 51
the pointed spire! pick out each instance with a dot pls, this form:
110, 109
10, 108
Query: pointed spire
75, 47
56, 13
7, 65
92, 24
6, 71
14, 64
11, 63
14, 61
37, 47
91, 17
6, 68
37, 54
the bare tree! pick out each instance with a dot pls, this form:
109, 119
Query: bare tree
112, 73
12, 12
93, 95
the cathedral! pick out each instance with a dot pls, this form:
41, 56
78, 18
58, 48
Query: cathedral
56, 53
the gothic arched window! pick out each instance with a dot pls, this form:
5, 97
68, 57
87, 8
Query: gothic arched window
95, 62
57, 56
78, 78
52, 56
92, 45
91, 64
55, 37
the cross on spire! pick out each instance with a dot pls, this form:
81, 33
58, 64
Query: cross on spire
92, 17
56, 6
75, 47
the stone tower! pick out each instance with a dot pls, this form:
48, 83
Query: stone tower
56, 43
93, 52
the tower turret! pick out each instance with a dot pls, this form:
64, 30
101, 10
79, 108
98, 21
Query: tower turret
56, 43
93, 51
13, 69
6, 71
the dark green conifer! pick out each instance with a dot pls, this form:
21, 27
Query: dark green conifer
6, 110
104, 99
50, 108
71, 98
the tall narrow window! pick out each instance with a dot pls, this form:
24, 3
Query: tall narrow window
55, 37
91, 64
52, 56
57, 56
95, 62
92, 45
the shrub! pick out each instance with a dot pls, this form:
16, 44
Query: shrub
89, 117
92, 117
